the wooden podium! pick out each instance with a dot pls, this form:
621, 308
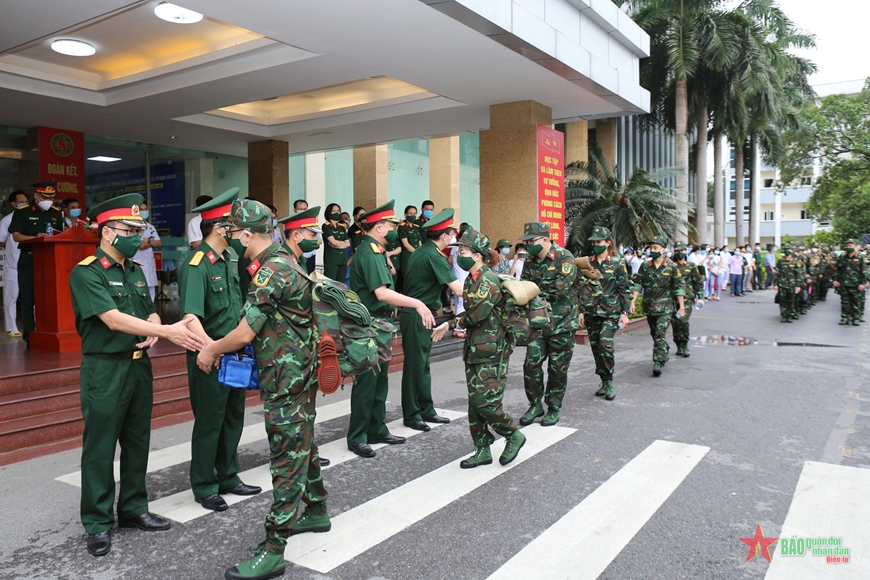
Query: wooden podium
54, 257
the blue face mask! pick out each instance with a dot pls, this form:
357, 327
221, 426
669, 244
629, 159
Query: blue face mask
702, 252
427, 214
77, 212
505, 251
274, 224
142, 214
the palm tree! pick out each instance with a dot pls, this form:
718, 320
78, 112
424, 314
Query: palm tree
635, 211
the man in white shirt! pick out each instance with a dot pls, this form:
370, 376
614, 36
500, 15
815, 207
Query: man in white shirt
145, 255
17, 200
194, 235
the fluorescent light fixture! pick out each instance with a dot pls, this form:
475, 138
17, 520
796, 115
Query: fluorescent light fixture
71, 47
176, 14
104, 159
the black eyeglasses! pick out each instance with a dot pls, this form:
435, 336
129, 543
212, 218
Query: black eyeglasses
127, 232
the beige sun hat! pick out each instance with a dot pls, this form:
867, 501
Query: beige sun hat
523, 291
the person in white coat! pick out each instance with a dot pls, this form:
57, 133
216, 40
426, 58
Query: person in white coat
145, 255
18, 200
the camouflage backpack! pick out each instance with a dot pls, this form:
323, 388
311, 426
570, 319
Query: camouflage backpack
528, 312
361, 341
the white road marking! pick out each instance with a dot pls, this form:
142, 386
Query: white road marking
365, 526
584, 542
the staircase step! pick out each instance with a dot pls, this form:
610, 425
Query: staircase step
38, 403
39, 380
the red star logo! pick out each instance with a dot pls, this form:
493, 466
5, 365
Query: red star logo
758, 543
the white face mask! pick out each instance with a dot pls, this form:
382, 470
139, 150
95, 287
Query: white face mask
452, 239
45, 204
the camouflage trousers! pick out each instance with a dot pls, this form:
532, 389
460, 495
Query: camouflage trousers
558, 348
851, 302
789, 302
820, 288
658, 329
294, 462
601, 331
681, 328
486, 383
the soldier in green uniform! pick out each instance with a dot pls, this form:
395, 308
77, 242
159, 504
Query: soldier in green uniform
552, 269
30, 223
789, 278
211, 297
427, 271
370, 278
117, 322
693, 287
411, 238
662, 288
277, 320
336, 242
850, 278
356, 232
608, 308
486, 352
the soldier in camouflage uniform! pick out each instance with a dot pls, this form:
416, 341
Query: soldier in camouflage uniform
789, 280
693, 286
608, 307
277, 319
662, 288
486, 352
850, 278
552, 269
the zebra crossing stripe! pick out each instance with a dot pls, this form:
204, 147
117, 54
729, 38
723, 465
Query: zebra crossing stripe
830, 501
177, 454
583, 543
181, 507
365, 526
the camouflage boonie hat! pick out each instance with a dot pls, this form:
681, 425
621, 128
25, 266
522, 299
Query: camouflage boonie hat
475, 240
660, 240
534, 230
679, 247
251, 215
852, 241
599, 233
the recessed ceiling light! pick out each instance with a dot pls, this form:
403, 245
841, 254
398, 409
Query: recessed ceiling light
104, 159
71, 47
176, 14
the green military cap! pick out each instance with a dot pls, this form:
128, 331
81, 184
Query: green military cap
306, 219
534, 230
124, 209
443, 220
251, 215
680, 247
381, 213
660, 240
599, 233
218, 207
503, 242
475, 240
45, 188
852, 241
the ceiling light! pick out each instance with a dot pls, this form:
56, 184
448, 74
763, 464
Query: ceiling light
104, 159
72, 47
176, 14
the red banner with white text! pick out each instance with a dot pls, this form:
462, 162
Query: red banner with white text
62, 159
551, 182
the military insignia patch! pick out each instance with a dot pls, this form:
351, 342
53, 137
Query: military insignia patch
376, 248
140, 284
566, 268
263, 276
196, 259
255, 265
483, 290
211, 257
88, 261
104, 262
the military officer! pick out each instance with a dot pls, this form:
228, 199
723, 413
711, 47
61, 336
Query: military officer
693, 286
662, 287
29, 224
608, 308
211, 296
116, 319
428, 270
370, 278
356, 233
335, 236
486, 352
277, 319
552, 269
411, 238
850, 278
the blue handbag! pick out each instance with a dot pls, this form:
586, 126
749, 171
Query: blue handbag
239, 370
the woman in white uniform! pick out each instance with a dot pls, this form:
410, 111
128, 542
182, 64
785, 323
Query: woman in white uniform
145, 255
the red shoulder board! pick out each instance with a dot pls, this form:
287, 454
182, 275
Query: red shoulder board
476, 275
252, 269
104, 262
211, 257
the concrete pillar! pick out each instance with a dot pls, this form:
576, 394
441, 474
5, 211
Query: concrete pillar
605, 135
509, 168
370, 176
444, 173
269, 174
576, 141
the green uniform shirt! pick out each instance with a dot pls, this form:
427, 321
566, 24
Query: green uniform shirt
398, 258
428, 270
209, 287
99, 284
410, 231
31, 221
789, 274
356, 235
485, 318
555, 275
615, 296
368, 272
660, 287
332, 255
693, 285
851, 271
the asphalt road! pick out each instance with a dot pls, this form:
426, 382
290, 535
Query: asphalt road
764, 401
